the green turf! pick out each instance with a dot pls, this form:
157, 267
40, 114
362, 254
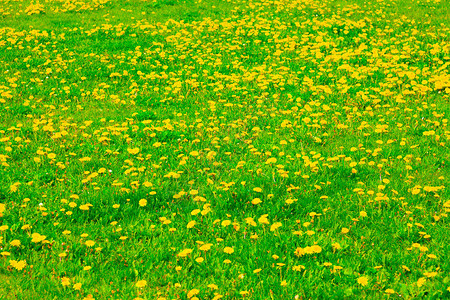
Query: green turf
224, 149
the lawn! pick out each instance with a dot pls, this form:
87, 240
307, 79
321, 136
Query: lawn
224, 149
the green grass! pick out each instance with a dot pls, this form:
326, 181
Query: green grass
284, 149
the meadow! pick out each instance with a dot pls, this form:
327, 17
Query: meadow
260, 149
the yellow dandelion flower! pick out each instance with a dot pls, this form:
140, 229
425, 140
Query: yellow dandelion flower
256, 201
299, 252
228, 250
192, 293
185, 252
194, 153
65, 281
15, 243
141, 283
363, 280
316, 248
205, 247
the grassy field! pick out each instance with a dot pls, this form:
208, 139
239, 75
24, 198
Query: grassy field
224, 149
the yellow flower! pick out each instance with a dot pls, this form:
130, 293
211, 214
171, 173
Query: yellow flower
18, 265
336, 246
77, 286
275, 226
185, 252
133, 150
299, 252
15, 243
363, 280
226, 223
89, 243
298, 268
263, 219
421, 281
65, 281
271, 160
430, 274
316, 248
84, 207
192, 293
205, 247
37, 238
389, 291
141, 283
142, 202
345, 230
256, 201
195, 211
228, 250
191, 224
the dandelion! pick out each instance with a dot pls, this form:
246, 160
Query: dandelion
18, 265
15, 243
192, 293
185, 252
363, 280
37, 238
141, 283
256, 201
191, 224
205, 247
228, 250
65, 281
